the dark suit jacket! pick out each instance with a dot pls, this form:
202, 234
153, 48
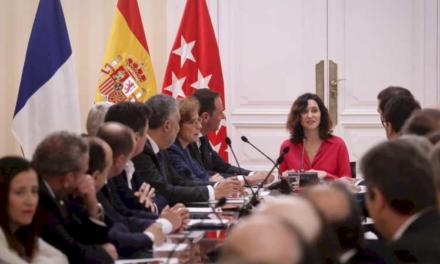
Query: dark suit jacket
209, 159
120, 206
420, 243
126, 232
126, 196
170, 185
69, 229
185, 165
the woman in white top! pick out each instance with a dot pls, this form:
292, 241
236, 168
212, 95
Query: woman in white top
19, 242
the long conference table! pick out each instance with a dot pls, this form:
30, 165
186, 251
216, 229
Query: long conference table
208, 227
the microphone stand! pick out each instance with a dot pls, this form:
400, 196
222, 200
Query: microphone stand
219, 203
246, 209
246, 182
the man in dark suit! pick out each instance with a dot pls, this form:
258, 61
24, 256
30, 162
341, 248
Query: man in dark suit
211, 114
116, 135
74, 227
401, 199
342, 212
152, 165
133, 236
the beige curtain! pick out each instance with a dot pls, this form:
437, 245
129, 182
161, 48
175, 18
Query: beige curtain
88, 23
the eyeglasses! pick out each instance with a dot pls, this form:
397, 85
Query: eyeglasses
382, 120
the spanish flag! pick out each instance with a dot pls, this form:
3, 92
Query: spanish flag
126, 72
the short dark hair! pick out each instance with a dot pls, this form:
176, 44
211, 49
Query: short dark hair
24, 241
132, 114
118, 136
162, 106
96, 156
434, 157
402, 173
398, 109
294, 120
391, 91
59, 153
206, 99
423, 122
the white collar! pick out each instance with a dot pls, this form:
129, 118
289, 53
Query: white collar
154, 145
129, 171
49, 189
405, 226
198, 142
347, 255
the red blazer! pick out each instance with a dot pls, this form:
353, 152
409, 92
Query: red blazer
332, 157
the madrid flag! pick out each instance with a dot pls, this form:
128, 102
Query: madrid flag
126, 72
194, 62
48, 95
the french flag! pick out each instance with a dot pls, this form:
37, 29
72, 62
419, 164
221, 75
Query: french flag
48, 98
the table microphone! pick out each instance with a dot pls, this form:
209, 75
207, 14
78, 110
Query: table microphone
229, 143
220, 203
254, 199
246, 140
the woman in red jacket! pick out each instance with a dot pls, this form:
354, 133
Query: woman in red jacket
312, 147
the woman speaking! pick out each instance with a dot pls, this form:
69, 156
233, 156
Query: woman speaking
312, 147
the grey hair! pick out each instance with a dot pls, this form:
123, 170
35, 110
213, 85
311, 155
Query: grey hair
59, 153
95, 117
162, 107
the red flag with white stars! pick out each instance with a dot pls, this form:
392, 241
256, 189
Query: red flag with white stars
194, 62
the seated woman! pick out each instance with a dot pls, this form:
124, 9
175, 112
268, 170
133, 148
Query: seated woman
312, 147
19, 242
190, 126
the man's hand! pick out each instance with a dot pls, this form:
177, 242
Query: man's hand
229, 187
184, 214
258, 176
216, 178
146, 195
173, 216
86, 191
111, 250
156, 230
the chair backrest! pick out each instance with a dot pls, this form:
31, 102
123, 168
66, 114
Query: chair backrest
353, 169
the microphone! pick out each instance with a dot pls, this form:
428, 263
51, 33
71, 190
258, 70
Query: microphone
228, 141
302, 155
220, 203
254, 200
246, 140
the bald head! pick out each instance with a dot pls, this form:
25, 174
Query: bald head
340, 210
332, 202
286, 207
262, 239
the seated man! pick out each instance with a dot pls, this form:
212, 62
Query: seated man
211, 114
120, 139
152, 166
401, 199
78, 230
134, 116
397, 110
263, 239
386, 94
341, 211
423, 122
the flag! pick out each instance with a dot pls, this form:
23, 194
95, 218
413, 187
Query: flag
48, 95
194, 62
126, 73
